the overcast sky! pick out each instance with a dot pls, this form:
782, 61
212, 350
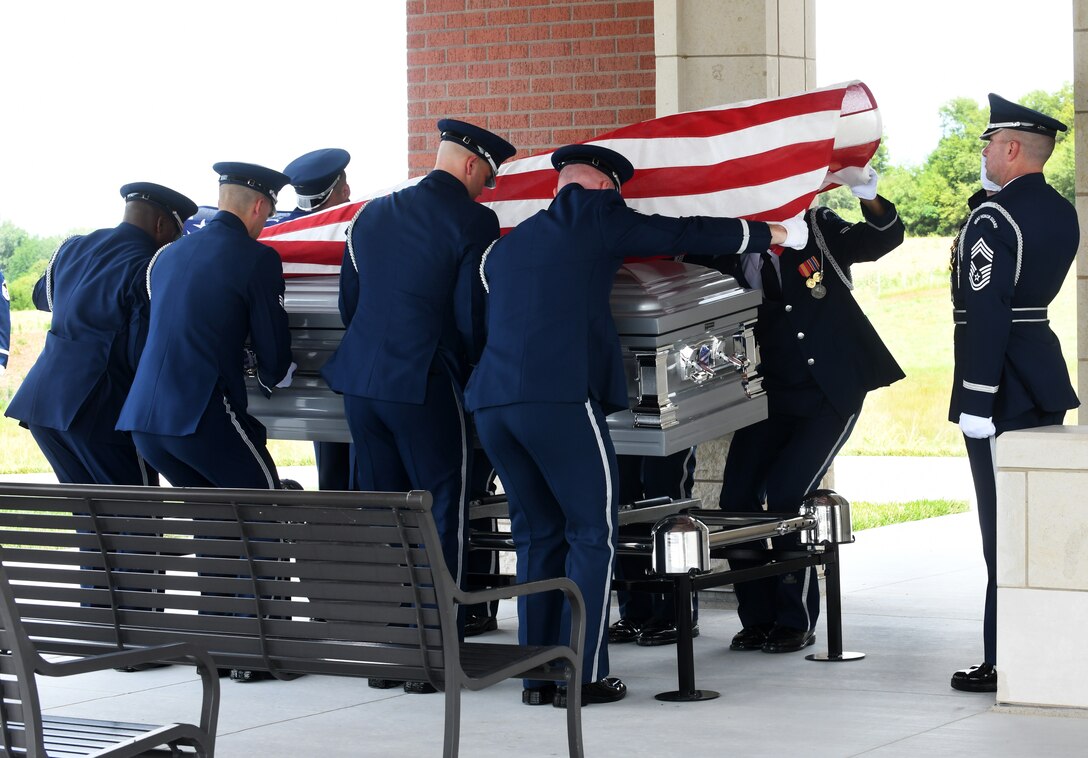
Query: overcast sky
98, 94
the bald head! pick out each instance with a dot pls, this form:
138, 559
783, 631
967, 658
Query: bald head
584, 175
252, 207
472, 170
159, 223
1011, 153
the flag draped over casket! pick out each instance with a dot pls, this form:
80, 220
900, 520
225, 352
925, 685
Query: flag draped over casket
759, 159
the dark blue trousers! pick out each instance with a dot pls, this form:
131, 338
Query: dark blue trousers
78, 457
335, 465
558, 467
780, 460
981, 455
403, 446
226, 450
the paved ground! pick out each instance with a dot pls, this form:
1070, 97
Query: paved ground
912, 603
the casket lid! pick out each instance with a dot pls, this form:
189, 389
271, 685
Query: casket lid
661, 296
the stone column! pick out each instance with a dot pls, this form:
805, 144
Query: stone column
1080, 98
723, 51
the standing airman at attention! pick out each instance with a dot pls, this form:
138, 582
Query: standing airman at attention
320, 181
550, 373
5, 324
94, 285
411, 301
216, 303
1012, 257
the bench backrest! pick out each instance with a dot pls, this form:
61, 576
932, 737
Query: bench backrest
307, 582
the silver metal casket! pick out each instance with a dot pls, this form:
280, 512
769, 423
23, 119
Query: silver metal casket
686, 334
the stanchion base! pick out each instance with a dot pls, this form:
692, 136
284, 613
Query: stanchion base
686, 697
826, 658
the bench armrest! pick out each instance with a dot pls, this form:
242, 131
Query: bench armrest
562, 584
185, 652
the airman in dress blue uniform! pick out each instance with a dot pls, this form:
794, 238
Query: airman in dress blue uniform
819, 357
211, 292
5, 324
320, 181
551, 371
93, 285
1011, 259
411, 302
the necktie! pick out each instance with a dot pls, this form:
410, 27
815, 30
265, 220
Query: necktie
772, 288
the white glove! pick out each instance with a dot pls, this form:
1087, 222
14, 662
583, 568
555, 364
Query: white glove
866, 190
796, 232
987, 184
285, 382
976, 427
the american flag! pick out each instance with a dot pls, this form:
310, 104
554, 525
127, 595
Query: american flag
759, 159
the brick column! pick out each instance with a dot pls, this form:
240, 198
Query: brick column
540, 73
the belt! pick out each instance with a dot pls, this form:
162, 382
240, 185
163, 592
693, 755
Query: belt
1019, 316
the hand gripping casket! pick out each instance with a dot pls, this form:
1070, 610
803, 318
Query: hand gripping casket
688, 351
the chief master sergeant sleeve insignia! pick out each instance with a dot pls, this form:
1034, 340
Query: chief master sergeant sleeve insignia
994, 244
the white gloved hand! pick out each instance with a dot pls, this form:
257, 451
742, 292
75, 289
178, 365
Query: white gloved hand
989, 186
285, 382
976, 427
866, 190
796, 232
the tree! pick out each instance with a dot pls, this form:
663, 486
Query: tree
31, 256
11, 237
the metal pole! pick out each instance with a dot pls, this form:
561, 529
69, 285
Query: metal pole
685, 656
834, 613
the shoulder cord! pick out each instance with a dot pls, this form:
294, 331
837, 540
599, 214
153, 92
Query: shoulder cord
1015, 227
821, 243
49, 271
483, 260
150, 263
351, 229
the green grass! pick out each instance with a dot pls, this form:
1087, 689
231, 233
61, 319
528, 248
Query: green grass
906, 296
870, 515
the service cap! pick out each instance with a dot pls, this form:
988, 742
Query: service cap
267, 181
1008, 115
491, 147
315, 174
174, 203
608, 162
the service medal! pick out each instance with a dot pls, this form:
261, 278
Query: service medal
811, 282
818, 291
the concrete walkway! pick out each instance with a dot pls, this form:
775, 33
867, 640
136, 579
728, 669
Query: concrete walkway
912, 599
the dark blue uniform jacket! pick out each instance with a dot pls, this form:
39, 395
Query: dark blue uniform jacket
410, 290
554, 339
1014, 254
93, 285
812, 348
5, 322
211, 292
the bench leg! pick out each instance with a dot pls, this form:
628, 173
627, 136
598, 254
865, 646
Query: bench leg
453, 720
574, 713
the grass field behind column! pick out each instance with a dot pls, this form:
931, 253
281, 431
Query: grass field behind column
905, 296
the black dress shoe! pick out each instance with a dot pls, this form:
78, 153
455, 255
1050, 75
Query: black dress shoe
981, 678
477, 625
662, 633
607, 690
538, 695
750, 637
419, 688
622, 631
786, 639
383, 684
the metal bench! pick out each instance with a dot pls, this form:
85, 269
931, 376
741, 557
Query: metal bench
27, 732
288, 582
